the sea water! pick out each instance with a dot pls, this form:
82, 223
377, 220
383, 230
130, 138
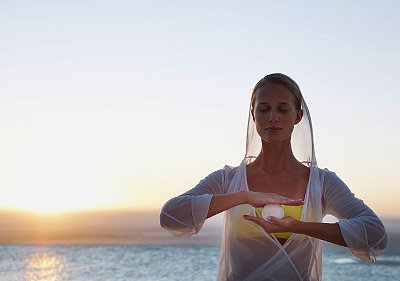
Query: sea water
142, 263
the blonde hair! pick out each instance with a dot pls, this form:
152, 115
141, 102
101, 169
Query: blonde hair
281, 79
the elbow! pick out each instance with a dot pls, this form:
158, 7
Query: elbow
166, 215
175, 227
381, 244
366, 239
163, 220
378, 248
175, 221
378, 237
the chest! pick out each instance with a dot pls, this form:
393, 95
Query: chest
292, 185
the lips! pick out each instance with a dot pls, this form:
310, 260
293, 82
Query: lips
274, 128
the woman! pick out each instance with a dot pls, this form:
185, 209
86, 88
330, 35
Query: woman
279, 168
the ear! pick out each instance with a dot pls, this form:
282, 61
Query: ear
299, 116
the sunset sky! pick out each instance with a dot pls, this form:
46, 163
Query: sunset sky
124, 104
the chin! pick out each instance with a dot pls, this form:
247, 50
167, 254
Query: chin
275, 139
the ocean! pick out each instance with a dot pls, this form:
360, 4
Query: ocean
147, 263
133, 247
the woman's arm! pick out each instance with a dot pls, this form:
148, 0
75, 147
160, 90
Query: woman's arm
361, 228
184, 215
358, 228
223, 202
325, 231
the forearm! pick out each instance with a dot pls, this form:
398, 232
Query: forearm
223, 202
325, 231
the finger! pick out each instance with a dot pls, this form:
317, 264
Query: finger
275, 220
268, 226
294, 202
257, 220
250, 218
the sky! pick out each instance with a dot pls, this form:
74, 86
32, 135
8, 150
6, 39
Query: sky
125, 104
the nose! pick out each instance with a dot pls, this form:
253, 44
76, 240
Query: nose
274, 116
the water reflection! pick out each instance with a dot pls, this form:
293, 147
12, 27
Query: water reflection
44, 266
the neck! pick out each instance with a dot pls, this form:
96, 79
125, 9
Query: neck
275, 158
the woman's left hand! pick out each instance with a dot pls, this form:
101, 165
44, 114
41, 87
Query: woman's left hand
273, 224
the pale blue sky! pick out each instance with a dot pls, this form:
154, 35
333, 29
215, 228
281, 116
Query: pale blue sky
136, 101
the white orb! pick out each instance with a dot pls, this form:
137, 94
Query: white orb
272, 210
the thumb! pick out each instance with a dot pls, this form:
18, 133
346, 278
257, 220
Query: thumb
275, 220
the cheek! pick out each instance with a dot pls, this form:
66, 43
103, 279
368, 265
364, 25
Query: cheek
257, 117
290, 117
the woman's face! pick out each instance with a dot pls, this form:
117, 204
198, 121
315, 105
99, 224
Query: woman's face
275, 113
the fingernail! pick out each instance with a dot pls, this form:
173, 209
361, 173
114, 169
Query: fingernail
269, 218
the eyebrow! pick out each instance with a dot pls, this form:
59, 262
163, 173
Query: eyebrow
280, 103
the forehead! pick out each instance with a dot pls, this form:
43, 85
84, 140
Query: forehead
274, 93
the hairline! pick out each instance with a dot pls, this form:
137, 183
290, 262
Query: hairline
261, 84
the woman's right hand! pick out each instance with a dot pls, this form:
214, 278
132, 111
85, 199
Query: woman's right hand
260, 199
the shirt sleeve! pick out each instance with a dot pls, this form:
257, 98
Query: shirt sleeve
185, 214
361, 228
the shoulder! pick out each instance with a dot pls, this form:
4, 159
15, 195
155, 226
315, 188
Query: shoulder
329, 175
220, 177
331, 182
228, 172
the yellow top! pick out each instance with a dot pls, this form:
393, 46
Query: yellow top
289, 211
